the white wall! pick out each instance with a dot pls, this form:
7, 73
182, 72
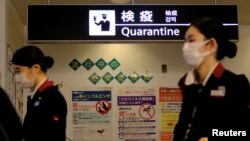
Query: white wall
133, 57
14, 27
2, 42
240, 64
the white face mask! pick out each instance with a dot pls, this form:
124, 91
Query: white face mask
191, 53
23, 82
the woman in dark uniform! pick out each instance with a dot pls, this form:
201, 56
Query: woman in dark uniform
215, 100
45, 119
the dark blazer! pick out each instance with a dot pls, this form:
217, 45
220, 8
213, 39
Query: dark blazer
10, 123
205, 108
46, 115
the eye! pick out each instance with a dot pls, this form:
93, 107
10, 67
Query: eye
17, 70
190, 40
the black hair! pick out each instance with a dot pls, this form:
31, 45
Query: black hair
31, 55
212, 27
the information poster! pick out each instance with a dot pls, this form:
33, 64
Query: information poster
137, 114
11, 88
14, 93
92, 117
170, 106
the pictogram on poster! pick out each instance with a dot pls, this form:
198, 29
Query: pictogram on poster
103, 107
147, 111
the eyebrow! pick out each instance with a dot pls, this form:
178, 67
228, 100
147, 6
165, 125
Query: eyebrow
190, 36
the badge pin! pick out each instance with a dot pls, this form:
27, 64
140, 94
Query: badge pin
39, 98
37, 103
56, 118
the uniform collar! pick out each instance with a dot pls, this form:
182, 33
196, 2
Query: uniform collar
217, 71
32, 93
45, 85
41, 87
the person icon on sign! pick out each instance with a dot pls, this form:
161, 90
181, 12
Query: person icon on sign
105, 24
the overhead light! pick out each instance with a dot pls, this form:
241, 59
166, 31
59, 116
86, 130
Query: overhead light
120, 1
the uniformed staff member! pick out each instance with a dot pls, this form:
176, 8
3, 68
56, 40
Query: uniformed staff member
45, 119
213, 97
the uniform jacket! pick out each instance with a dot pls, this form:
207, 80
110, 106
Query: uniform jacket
10, 123
223, 104
45, 119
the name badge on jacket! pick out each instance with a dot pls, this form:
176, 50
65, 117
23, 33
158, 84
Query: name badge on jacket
220, 92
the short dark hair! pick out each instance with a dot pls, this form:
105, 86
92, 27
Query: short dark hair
31, 55
212, 27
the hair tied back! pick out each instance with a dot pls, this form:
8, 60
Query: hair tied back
231, 49
48, 61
